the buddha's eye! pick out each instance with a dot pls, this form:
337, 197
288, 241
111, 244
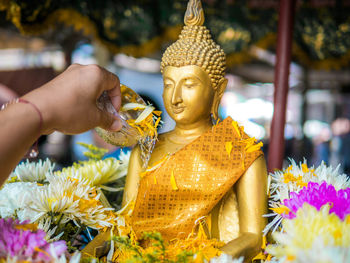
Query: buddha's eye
168, 85
189, 84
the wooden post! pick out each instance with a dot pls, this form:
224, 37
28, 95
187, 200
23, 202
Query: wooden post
284, 45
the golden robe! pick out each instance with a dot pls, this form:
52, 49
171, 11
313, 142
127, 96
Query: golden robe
189, 183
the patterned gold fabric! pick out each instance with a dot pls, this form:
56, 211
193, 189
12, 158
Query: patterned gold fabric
203, 171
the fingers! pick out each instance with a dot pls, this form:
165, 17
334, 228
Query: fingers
113, 87
111, 81
115, 97
109, 121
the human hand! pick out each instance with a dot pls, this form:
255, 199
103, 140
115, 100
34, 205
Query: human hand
68, 102
6, 94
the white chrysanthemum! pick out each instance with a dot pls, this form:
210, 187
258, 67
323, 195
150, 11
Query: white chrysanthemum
60, 197
14, 198
275, 260
75, 258
47, 203
63, 186
33, 171
124, 162
331, 176
318, 253
321, 254
45, 225
93, 214
97, 173
293, 179
67, 199
224, 258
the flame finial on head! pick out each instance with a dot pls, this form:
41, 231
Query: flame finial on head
194, 15
195, 46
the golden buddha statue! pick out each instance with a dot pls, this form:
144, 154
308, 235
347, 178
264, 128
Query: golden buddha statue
199, 169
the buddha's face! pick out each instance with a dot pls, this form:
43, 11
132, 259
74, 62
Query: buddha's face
188, 94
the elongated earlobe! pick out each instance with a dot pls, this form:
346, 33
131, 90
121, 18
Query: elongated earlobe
219, 91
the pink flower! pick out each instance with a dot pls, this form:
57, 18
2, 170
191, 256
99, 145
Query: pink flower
26, 244
318, 195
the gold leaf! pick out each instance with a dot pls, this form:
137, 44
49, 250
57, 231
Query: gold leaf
228, 147
261, 255
236, 127
157, 122
253, 148
281, 209
173, 182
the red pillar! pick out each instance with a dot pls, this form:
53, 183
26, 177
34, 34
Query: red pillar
284, 45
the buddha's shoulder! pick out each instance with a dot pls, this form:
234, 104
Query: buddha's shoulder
162, 139
167, 144
163, 136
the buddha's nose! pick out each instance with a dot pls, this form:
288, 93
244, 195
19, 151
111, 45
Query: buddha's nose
177, 95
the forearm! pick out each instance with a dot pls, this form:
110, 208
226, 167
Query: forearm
246, 245
20, 125
252, 204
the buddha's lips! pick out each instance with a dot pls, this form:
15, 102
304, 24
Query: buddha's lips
177, 110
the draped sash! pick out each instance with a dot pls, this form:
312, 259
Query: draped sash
190, 182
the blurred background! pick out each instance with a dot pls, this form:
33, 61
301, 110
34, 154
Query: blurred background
39, 39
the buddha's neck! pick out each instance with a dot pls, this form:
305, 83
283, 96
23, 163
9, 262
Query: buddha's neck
191, 132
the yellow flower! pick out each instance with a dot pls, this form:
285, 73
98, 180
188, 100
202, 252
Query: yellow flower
25, 227
281, 209
290, 178
147, 122
228, 147
86, 203
304, 168
309, 229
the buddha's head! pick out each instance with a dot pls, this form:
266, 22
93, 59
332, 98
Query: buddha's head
193, 70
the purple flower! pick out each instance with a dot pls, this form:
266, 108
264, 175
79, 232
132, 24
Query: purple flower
23, 244
318, 195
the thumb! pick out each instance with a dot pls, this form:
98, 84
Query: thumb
109, 121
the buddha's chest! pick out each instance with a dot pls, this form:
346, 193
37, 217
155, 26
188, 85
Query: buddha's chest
183, 187
164, 147
194, 171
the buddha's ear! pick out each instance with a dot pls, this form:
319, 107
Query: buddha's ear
219, 91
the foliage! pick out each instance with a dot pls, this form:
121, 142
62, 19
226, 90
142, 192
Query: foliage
158, 253
141, 27
93, 152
